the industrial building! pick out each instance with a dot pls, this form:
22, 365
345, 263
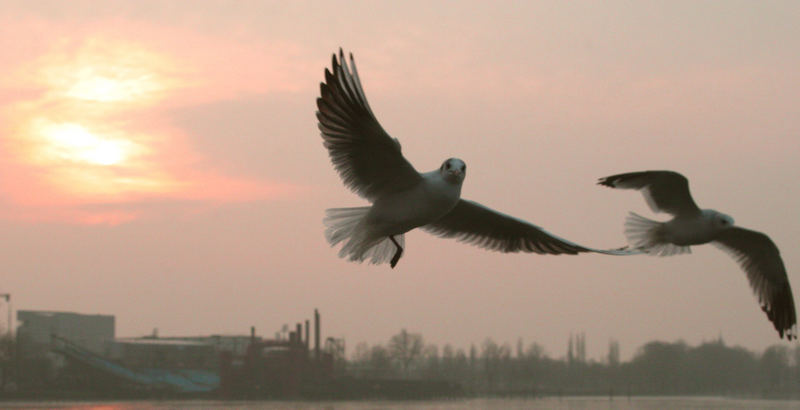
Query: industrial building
65, 350
72, 355
35, 329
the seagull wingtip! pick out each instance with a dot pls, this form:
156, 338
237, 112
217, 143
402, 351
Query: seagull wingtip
605, 181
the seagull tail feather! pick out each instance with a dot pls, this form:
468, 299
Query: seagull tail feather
647, 235
344, 225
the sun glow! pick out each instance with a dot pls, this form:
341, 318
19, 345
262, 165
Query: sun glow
108, 71
105, 89
73, 142
72, 135
86, 136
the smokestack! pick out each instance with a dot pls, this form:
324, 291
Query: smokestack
299, 332
308, 341
252, 334
316, 334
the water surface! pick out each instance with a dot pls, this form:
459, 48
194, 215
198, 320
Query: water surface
580, 403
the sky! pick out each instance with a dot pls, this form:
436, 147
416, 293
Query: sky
160, 162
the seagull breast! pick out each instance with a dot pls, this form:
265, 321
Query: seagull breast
693, 230
419, 205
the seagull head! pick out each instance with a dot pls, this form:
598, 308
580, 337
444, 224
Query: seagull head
719, 220
453, 170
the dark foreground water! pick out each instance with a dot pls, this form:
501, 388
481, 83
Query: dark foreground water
582, 403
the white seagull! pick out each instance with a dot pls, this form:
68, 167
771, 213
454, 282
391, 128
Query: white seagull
370, 163
668, 191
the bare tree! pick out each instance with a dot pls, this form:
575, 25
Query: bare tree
361, 353
360, 360
580, 347
775, 364
494, 357
380, 362
406, 348
433, 363
570, 350
613, 353
535, 351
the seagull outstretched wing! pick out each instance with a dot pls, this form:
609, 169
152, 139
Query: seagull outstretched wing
368, 160
478, 225
664, 191
759, 257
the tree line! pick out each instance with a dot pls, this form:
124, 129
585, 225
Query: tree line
657, 368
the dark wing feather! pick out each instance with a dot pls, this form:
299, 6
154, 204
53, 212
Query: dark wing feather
368, 160
761, 260
478, 225
664, 191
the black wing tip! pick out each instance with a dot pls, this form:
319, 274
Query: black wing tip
612, 180
606, 181
789, 333
651, 172
782, 314
330, 77
340, 59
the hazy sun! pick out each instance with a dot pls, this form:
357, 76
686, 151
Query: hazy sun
80, 133
91, 131
73, 142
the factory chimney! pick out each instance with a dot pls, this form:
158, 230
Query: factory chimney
299, 331
316, 335
308, 341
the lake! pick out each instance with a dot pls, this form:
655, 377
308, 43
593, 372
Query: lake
579, 403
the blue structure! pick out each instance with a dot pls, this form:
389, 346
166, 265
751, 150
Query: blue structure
176, 380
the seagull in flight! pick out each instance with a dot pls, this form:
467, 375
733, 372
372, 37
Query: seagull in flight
370, 163
668, 191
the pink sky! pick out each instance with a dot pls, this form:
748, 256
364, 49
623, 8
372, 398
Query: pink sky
189, 190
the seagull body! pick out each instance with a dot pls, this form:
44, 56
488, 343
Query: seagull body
694, 229
370, 162
682, 231
756, 253
394, 214
399, 212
